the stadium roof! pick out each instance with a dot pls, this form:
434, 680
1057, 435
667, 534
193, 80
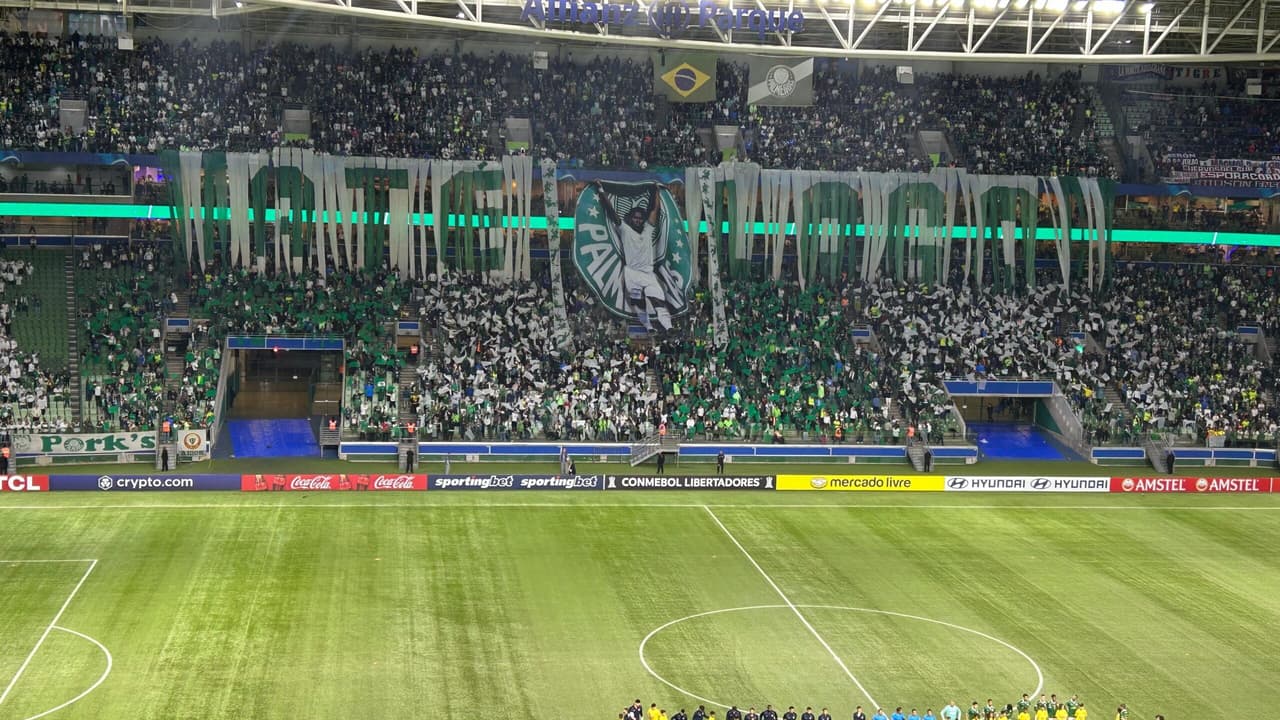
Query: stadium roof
1055, 31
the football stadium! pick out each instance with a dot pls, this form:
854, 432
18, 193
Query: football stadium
653, 360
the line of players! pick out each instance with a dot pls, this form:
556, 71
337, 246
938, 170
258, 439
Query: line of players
1049, 708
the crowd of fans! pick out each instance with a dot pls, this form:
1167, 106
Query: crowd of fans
1193, 376
495, 371
601, 112
32, 397
121, 288
353, 304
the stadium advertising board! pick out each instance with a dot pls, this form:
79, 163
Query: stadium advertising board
331, 482
1020, 483
864, 483
689, 482
1193, 485
84, 443
515, 482
24, 483
136, 483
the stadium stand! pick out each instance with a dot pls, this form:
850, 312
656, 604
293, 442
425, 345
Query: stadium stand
598, 113
356, 305
490, 368
120, 290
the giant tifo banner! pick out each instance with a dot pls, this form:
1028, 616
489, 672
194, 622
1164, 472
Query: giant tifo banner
1187, 169
292, 206
84, 443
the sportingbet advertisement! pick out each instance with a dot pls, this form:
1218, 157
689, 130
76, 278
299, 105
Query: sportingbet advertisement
502, 481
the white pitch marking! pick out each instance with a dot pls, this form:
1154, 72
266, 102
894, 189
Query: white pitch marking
92, 564
979, 633
794, 609
16, 562
92, 687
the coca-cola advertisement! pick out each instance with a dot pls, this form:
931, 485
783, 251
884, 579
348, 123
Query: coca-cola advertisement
331, 482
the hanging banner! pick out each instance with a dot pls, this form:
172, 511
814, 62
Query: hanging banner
551, 201
631, 248
783, 82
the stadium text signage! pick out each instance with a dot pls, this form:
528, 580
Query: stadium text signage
84, 444
1018, 483
515, 482
330, 482
1192, 485
668, 19
142, 483
689, 482
24, 483
1187, 169
864, 483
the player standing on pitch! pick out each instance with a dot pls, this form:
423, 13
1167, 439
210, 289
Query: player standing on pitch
858, 714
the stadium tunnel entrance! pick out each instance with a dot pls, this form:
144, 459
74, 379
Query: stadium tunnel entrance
278, 400
1014, 428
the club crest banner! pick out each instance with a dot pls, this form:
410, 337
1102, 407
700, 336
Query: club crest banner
636, 258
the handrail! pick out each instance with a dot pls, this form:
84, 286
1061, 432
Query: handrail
220, 397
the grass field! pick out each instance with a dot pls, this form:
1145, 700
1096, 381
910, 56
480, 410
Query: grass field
475, 605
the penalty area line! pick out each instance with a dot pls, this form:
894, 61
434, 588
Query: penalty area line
53, 623
794, 609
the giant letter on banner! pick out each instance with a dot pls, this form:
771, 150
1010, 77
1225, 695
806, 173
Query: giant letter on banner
693, 216
190, 162
719, 332
551, 201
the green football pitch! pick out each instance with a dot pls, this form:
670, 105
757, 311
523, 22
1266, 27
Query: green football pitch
571, 605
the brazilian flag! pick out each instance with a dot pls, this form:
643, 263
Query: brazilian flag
685, 77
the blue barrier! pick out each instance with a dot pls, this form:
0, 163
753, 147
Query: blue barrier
1248, 330
1118, 453
546, 451
1202, 455
279, 342
1023, 388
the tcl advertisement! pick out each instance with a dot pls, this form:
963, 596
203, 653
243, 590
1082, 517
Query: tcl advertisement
24, 483
1192, 485
323, 483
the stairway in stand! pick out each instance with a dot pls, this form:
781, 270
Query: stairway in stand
1111, 394
915, 453
408, 380
174, 361
73, 342
183, 307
